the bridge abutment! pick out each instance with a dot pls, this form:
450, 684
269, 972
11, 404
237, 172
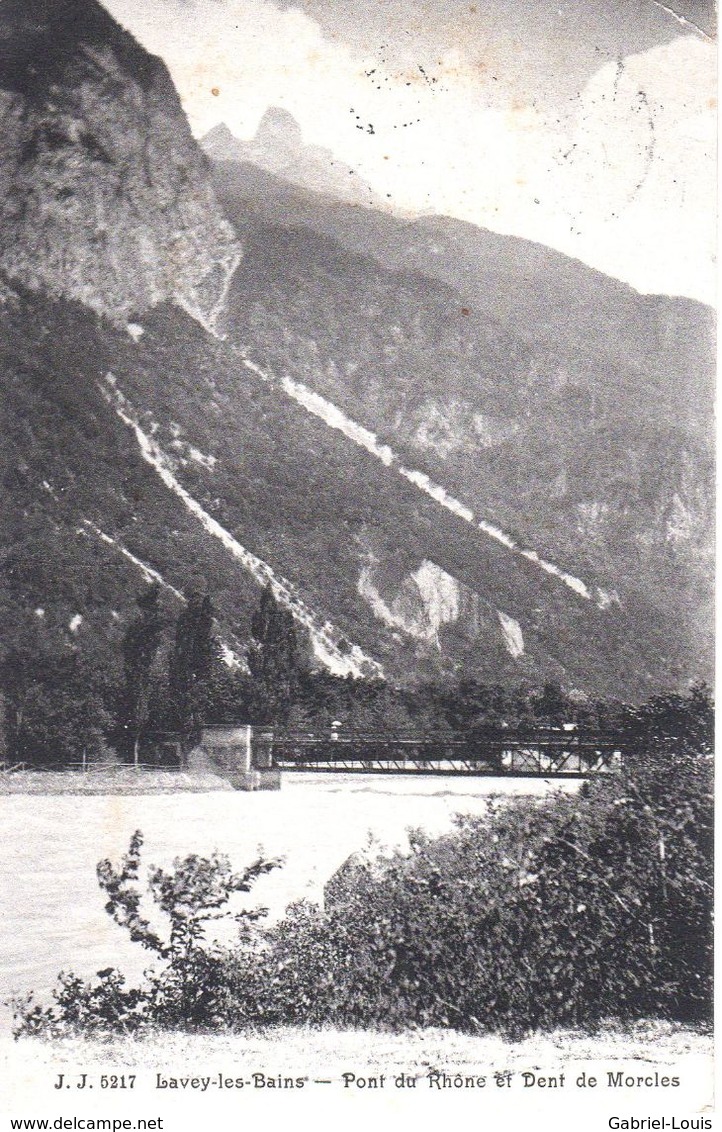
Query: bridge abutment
242, 754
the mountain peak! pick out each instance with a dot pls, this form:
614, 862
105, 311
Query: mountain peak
218, 135
104, 194
278, 129
278, 148
278, 141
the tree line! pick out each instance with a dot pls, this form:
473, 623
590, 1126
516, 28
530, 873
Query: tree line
65, 701
68, 702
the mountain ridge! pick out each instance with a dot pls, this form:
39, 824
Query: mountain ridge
521, 272
506, 479
278, 148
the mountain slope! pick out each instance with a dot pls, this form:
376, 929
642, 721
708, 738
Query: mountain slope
549, 445
415, 588
541, 436
544, 295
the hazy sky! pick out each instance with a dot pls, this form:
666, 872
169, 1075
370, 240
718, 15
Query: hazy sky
588, 125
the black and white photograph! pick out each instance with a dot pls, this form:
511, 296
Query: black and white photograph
357, 594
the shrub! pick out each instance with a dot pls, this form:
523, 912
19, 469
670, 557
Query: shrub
190, 989
540, 914
96, 1008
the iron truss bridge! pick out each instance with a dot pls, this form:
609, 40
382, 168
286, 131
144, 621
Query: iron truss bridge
542, 754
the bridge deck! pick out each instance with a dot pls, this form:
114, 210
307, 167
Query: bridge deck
561, 754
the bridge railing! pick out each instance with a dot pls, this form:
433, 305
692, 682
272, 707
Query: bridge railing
501, 751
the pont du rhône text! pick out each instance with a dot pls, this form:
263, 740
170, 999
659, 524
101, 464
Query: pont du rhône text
433, 1078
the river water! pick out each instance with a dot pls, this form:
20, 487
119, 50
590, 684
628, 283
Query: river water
53, 917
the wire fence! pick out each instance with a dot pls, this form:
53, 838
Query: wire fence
88, 767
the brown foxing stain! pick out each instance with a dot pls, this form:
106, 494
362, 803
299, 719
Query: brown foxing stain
412, 78
215, 91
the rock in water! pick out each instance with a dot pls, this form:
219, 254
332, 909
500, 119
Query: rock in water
104, 194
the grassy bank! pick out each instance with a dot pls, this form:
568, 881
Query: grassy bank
116, 780
301, 1049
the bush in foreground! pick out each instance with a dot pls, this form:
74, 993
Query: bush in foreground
189, 989
538, 915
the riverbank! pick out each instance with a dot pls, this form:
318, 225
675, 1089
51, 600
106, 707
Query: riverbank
110, 780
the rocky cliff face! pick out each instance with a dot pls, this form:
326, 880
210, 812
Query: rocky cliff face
422, 604
424, 601
104, 194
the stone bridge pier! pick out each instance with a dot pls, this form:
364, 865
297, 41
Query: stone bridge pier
242, 754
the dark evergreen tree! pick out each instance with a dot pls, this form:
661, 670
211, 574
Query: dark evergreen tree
552, 706
273, 661
140, 647
228, 695
191, 663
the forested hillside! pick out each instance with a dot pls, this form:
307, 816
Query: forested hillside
383, 423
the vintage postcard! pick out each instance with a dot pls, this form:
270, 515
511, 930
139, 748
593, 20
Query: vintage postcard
357, 646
